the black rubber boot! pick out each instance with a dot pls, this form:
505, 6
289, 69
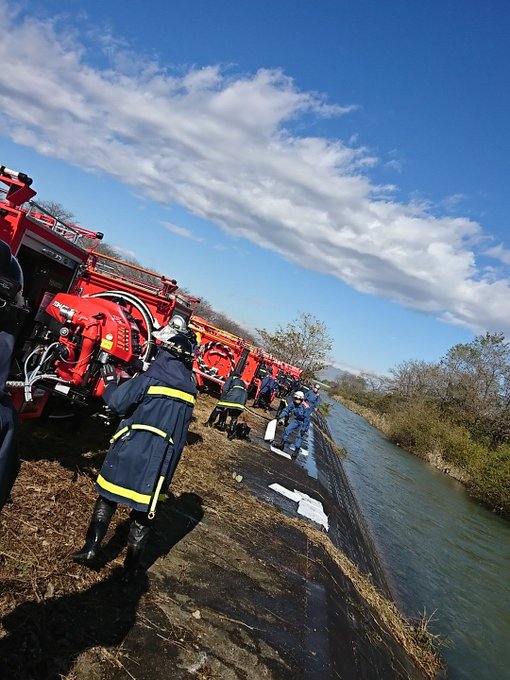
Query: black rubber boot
212, 418
295, 454
232, 427
280, 445
99, 523
137, 540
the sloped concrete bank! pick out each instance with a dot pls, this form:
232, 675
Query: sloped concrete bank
254, 591
239, 584
349, 532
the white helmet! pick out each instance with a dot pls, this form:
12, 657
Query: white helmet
164, 333
299, 395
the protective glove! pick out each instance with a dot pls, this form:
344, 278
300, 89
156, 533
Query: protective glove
281, 421
108, 374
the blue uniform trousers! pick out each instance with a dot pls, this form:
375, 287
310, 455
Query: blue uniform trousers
294, 425
9, 461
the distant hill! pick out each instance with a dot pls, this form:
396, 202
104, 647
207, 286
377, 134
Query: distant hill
331, 373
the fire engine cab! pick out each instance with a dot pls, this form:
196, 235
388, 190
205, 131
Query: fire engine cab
82, 309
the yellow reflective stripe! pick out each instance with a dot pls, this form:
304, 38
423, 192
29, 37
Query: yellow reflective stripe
170, 392
119, 433
123, 492
139, 426
229, 404
155, 498
149, 428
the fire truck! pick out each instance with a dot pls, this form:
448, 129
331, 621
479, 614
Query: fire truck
83, 309
219, 353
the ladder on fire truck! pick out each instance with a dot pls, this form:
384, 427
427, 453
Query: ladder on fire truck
19, 194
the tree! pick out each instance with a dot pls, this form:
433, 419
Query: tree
414, 379
222, 320
478, 385
304, 343
351, 384
58, 210
379, 384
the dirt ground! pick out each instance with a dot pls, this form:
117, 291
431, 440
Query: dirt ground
237, 585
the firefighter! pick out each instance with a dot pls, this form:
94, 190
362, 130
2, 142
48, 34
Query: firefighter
313, 401
313, 398
299, 411
11, 285
231, 404
265, 396
157, 407
290, 386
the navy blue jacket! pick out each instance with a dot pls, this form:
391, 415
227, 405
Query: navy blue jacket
6, 348
144, 452
268, 384
299, 411
235, 396
313, 400
294, 387
9, 461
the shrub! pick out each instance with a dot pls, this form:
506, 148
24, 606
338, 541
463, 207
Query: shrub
490, 479
324, 409
418, 426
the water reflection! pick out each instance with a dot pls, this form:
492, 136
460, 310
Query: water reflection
443, 551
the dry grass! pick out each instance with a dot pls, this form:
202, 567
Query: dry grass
378, 420
54, 494
45, 523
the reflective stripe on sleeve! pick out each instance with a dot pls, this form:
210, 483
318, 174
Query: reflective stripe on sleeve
156, 390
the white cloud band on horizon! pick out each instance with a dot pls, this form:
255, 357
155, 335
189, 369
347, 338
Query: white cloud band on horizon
224, 148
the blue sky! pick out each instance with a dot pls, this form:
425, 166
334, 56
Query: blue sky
344, 158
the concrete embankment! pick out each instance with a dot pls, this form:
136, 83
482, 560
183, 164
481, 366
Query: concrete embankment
255, 591
240, 585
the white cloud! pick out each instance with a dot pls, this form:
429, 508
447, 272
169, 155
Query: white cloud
393, 164
181, 231
500, 253
224, 148
451, 203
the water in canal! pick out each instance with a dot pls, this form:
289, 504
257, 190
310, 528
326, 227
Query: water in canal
443, 551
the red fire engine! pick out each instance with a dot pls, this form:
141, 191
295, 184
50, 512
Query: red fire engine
85, 309
219, 353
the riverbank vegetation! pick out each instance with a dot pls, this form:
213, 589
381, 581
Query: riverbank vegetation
454, 413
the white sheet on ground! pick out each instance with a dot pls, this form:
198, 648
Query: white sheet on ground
270, 430
307, 506
281, 453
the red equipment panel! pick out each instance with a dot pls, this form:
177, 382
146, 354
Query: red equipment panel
88, 324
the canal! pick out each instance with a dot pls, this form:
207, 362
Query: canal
443, 552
